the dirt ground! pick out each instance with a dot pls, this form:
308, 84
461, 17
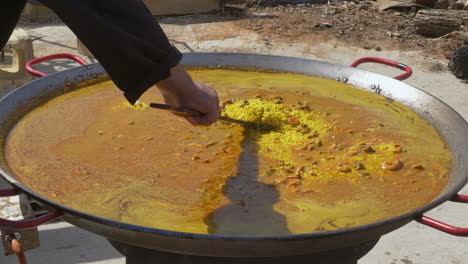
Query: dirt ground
358, 24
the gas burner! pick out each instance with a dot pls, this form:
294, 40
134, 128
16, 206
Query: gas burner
139, 255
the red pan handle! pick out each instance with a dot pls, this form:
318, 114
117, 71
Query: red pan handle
452, 230
57, 56
395, 64
26, 224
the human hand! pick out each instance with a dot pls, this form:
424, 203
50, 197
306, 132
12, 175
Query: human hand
181, 91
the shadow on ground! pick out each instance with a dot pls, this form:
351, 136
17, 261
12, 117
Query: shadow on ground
62, 243
56, 66
194, 19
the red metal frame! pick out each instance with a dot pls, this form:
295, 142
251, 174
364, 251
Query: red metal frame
449, 229
57, 56
26, 224
33, 223
395, 64
7, 193
460, 199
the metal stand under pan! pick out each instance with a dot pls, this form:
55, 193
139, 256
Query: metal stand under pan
138, 255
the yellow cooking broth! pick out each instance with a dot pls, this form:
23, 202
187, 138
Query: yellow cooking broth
343, 214
129, 204
275, 143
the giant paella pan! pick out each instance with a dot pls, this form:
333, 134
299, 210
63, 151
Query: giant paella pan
353, 155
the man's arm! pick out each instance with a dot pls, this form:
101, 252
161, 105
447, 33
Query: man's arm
124, 37
129, 43
11, 11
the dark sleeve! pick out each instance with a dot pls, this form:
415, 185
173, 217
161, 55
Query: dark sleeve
124, 37
9, 15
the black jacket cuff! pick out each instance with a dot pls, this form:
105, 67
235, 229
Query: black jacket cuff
161, 71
